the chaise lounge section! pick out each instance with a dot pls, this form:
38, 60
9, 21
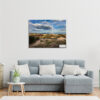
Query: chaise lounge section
77, 84
68, 84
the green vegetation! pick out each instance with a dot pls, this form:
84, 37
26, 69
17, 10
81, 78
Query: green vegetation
46, 40
33, 39
16, 73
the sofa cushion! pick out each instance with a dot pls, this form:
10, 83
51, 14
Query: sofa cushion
34, 70
46, 62
58, 70
33, 63
74, 62
77, 80
43, 79
22, 62
58, 63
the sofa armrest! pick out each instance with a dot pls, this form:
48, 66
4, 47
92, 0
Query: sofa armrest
11, 75
89, 73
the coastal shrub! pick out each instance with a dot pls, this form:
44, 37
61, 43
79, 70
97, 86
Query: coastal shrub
33, 39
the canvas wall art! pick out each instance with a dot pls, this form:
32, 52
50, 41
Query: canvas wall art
47, 33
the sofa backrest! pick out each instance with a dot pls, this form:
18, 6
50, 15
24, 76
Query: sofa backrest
34, 64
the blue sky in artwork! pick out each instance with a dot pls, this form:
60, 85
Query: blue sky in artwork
47, 26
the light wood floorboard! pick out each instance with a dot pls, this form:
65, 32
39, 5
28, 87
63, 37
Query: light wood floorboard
3, 92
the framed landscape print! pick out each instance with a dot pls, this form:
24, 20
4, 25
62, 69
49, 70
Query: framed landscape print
47, 33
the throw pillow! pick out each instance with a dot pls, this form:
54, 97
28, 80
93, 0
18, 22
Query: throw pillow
23, 69
82, 71
70, 70
47, 69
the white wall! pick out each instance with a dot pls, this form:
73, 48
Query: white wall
1, 29
83, 31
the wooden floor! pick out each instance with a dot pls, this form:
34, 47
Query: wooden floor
3, 92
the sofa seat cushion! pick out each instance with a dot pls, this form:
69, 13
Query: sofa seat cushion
77, 80
43, 79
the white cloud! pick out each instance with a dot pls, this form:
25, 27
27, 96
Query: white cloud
41, 26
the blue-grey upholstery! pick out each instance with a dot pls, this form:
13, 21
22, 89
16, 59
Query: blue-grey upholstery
69, 84
78, 84
43, 79
89, 74
77, 80
45, 87
75, 62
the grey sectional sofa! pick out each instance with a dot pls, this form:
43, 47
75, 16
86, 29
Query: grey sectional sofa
68, 84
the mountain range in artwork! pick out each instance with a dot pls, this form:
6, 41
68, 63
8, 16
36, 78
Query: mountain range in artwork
47, 33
